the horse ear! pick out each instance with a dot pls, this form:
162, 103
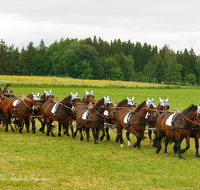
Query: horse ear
127, 98
167, 99
92, 92
38, 94
76, 93
45, 91
160, 99
133, 98
50, 91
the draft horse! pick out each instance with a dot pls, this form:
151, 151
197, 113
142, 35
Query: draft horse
177, 126
63, 112
163, 106
135, 121
93, 117
20, 108
127, 103
87, 100
47, 96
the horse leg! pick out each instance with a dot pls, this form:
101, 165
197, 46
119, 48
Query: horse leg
81, 138
88, 134
103, 134
150, 138
42, 125
119, 131
72, 129
66, 127
128, 138
137, 144
95, 136
166, 144
107, 134
187, 145
33, 125
157, 141
59, 129
97, 133
27, 123
197, 146
179, 149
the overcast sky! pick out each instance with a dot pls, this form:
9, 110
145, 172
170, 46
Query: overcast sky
175, 23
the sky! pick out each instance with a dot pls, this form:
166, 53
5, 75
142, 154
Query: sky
174, 23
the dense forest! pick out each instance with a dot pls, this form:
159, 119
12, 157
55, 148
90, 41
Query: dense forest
98, 59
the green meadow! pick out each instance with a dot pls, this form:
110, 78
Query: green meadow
36, 161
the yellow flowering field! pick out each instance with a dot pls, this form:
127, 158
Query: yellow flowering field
69, 81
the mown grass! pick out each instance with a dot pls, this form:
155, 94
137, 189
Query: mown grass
39, 162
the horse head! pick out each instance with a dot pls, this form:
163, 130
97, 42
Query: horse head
130, 102
74, 99
108, 105
48, 95
163, 105
151, 109
88, 98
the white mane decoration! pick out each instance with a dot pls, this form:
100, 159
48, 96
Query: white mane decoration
47, 93
150, 102
130, 101
163, 102
74, 96
36, 96
88, 93
107, 100
198, 110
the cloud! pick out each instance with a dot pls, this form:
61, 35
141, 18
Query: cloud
175, 23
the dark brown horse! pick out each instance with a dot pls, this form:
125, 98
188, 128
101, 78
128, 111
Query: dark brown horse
93, 117
196, 131
135, 121
47, 96
63, 112
21, 109
175, 125
161, 107
87, 100
127, 103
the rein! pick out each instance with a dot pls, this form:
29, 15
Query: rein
64, 106
27, 105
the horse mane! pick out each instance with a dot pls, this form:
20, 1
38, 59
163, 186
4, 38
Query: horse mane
122, 102
43, 96
192, 107
99, 103
67, 99
140, 106
83, 98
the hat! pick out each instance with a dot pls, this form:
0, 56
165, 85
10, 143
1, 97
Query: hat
7, 85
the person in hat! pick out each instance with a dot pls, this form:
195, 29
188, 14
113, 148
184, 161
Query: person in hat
7, 90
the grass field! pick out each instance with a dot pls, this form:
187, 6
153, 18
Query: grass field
39, 162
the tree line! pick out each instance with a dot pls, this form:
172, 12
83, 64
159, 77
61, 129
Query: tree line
98, 59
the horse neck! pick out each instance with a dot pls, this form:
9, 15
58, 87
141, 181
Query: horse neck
85, 100
99, 107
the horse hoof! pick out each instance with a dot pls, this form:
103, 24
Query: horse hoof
96, 143
165, 154
81, 139
157, 150
129, 144
101, 138
135, 145
122, 145
12, 131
